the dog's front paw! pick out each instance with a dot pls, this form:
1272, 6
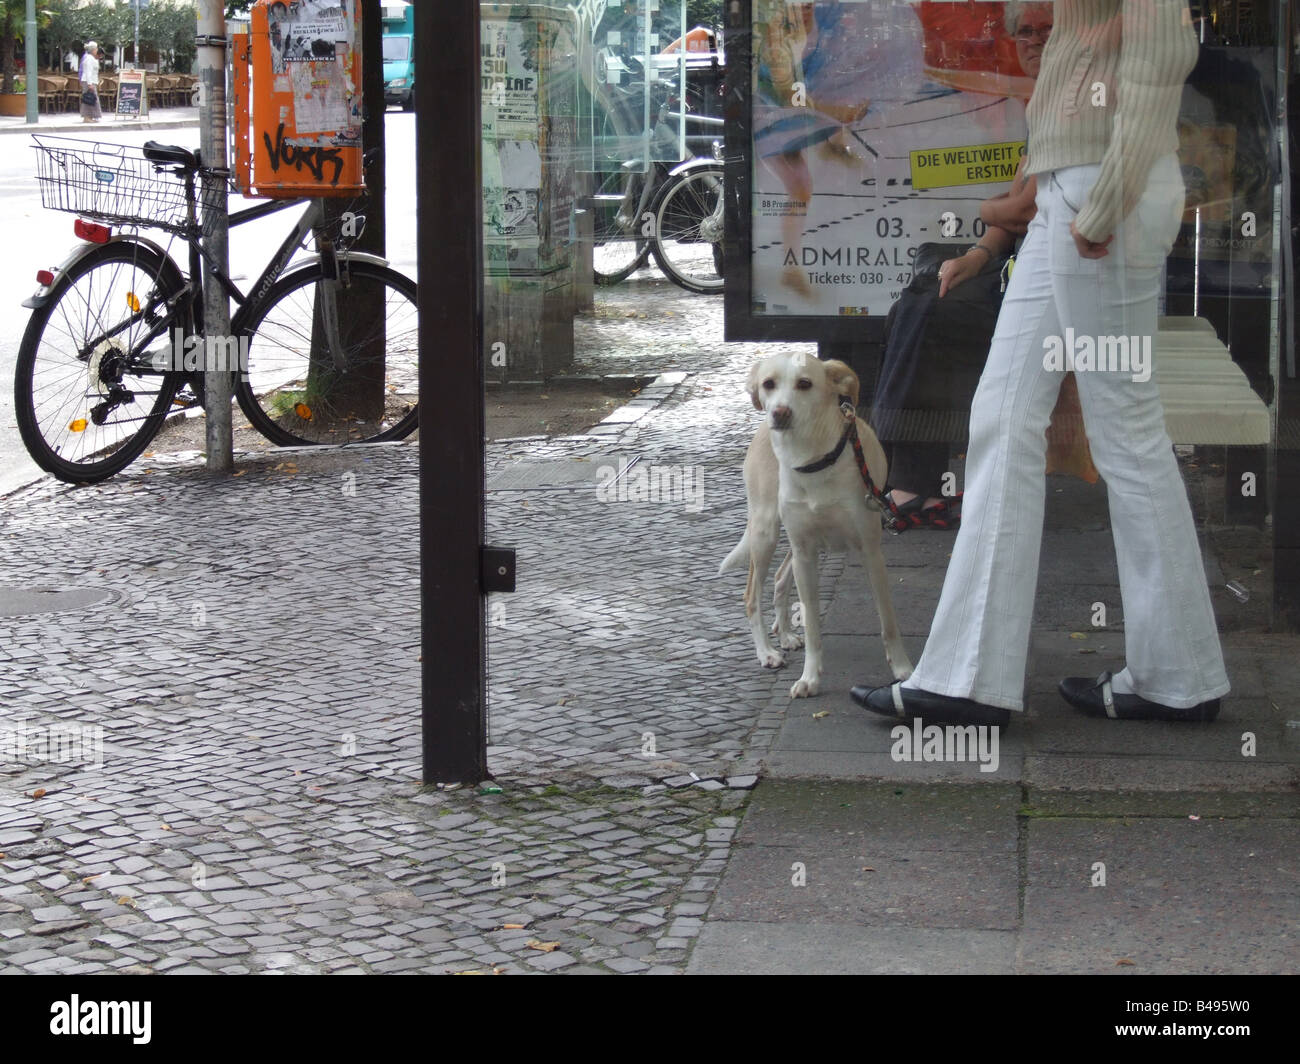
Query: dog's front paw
902, 670
790, 641
804, 687
771, 659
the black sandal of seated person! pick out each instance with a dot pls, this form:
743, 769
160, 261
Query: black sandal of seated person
915, 514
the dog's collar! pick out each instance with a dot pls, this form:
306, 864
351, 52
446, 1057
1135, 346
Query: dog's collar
850, 429
829, 459
850, 434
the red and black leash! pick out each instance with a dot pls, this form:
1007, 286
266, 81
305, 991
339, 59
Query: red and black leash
896, 521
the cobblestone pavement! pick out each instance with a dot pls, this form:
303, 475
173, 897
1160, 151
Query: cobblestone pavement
251, 687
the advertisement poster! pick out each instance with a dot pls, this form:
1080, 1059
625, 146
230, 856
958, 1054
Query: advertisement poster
1226, 145
528, 125
306, 31
878, 125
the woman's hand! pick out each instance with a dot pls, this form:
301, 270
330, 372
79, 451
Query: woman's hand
955, 271
1090, 249
1014, 210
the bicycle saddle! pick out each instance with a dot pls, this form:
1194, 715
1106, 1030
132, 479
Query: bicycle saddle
171, 154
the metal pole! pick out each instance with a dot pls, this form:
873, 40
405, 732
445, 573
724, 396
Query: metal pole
216, 306
448, 129
135, 46
33, 89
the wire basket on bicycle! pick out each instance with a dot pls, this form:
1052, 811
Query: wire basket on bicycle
115, 183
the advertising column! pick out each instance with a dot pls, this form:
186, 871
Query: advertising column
529, 133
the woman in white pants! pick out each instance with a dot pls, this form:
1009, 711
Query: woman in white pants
1110, 199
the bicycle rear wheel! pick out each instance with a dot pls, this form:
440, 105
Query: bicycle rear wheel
618, 249
687, 226
291, 388
85, 407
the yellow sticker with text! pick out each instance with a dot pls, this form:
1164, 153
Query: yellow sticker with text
978, 164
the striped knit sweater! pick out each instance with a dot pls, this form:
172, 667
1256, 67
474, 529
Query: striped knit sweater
1109, 92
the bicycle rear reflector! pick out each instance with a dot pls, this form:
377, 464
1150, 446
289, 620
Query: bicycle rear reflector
79, 425
96, 234
133, 301
44, 278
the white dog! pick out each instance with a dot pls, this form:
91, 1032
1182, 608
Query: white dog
823, 507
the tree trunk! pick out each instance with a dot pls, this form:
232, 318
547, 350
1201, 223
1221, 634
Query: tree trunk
360, 393
7, 41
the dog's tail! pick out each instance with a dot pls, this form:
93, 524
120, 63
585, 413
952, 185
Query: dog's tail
739, 555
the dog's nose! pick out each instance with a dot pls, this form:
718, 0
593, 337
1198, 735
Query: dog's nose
781, 417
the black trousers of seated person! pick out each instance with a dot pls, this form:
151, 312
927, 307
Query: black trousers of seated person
934, 353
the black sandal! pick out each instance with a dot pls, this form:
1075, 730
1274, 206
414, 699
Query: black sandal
915, 514
946, 516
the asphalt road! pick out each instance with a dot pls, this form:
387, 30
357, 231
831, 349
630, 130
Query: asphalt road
37, 239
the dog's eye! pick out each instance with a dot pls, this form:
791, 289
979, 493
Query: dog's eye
769, 384
804, 384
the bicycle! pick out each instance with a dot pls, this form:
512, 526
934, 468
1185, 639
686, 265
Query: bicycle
647, 207
674, 214
687, 227
325, 349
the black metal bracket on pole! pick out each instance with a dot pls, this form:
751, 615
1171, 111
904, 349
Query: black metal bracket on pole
497, 569
449, 232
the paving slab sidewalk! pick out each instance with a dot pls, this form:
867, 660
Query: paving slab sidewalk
1091, 847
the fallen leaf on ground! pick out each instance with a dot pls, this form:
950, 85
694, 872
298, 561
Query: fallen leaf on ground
823, 713
39, 792
513, 927
544, 947
1078, 635
1125, 962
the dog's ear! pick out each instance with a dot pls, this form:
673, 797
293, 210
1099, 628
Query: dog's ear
842, 379
752, 384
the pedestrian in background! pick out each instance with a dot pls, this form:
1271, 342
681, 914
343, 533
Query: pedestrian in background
89, 76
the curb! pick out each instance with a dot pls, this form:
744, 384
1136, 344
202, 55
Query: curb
55, 128
647, 399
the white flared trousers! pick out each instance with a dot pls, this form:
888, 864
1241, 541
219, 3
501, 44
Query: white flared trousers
979, 641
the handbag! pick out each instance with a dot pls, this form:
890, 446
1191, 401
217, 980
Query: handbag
89, 97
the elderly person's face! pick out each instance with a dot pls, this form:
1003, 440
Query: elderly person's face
1033, 27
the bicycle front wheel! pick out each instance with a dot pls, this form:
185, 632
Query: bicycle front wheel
296, 389
687, 227
86, 399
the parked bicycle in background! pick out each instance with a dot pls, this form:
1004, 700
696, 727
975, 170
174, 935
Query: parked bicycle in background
322, 349
657, 203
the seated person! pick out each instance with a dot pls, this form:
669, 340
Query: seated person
937, 338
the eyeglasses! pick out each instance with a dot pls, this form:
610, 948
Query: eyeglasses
1026, 33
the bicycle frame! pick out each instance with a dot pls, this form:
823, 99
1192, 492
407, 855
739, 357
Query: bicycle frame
187, 303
